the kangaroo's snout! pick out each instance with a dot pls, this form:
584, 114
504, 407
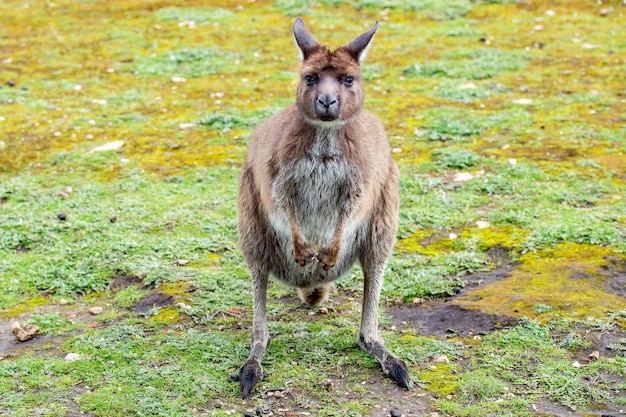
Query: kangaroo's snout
327, 107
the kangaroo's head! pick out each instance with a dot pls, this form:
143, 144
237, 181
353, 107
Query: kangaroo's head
330, 90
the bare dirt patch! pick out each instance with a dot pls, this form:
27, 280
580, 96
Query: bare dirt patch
442, 318
123, 281
616, 276
153, 300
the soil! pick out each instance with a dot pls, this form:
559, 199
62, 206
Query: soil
382, 392
616, 273
152, 300
442, 318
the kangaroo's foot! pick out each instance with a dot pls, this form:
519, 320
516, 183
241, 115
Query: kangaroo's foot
328, 256
303, 252
250, 373
393, 367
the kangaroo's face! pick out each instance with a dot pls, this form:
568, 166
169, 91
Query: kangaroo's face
330, 86
330, 89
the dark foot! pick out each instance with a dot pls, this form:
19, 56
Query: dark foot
249, 374
397, 370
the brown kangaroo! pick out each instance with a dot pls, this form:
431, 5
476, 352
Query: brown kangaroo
318, 192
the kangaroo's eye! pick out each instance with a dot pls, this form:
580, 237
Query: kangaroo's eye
309, 80
348, 81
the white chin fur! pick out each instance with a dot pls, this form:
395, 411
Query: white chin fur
333, 124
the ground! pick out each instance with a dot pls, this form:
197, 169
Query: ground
123, 126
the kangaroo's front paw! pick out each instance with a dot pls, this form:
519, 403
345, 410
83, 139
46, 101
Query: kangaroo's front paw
249, 374
303, 253
327, 257
397, 370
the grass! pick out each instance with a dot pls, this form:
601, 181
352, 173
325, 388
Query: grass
509, 138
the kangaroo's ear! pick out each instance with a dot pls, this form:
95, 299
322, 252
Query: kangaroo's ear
306, 42
358, 47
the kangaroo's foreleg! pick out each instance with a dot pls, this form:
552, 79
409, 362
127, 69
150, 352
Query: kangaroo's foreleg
328, 255
369, 339
303, 252
252, 372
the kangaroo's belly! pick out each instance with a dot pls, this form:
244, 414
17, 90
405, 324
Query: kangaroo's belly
285, 268
323, 189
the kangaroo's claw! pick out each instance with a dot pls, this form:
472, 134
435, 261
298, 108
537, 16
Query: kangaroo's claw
249, 374
397, 370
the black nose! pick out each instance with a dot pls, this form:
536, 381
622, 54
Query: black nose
327, 107
327, 100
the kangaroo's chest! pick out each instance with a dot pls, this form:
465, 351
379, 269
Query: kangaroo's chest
322, 185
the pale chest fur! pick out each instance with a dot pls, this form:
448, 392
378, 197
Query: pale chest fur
321, 184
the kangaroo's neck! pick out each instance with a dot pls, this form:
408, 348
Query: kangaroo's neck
326, 141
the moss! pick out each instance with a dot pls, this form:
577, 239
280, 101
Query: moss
440, 379
569, 278
176, 288
165, 316
25, 307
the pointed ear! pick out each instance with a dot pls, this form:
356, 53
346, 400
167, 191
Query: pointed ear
358, 47
306, 42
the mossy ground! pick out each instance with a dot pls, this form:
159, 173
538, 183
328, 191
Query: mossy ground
506, 118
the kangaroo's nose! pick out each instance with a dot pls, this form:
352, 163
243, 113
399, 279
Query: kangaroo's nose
327, 107
327, 100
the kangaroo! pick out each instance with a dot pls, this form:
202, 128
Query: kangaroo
318, 192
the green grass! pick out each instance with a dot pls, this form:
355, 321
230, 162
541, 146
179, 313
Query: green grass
463, 87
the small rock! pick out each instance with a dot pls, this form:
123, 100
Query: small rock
10, 83
259, 411
108, 146
248, 414
62, 216
605, 11
482, 224
323, 310
185, 308
452, 236
72, 357
113, 219
182, 262
440, 359
395, 413
63, 301
576, 364
524, 89
418, 300
467, 86
96, 310
397, 302
463, 176
25, 332
594, 356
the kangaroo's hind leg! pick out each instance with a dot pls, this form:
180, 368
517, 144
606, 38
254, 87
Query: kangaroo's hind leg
379, 243
255, 245
369, 339
252, 372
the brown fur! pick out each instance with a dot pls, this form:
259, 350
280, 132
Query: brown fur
318, 193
